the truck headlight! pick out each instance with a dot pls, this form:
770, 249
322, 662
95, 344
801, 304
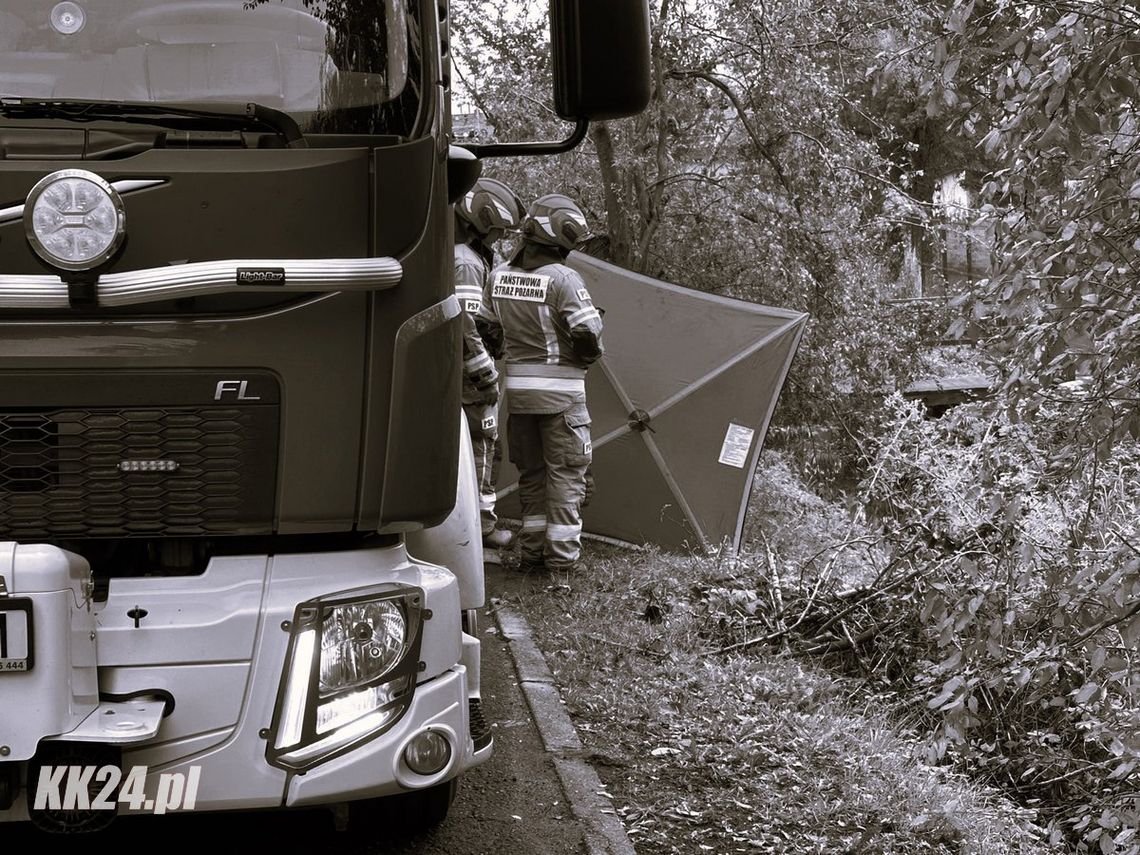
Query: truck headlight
360, 642
349, 674
74, 220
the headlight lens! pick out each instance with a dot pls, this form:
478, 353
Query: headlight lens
360, 642
74, 219
348, 708
350, 672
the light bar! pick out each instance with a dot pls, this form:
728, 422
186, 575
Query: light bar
296, 690
148, 465
206, 278
12, 213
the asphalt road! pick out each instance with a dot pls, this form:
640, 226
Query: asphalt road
511, 805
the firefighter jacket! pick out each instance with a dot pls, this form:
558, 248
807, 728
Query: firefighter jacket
479, 372
548, 326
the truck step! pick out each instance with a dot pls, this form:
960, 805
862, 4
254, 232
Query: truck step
480, 730
118, 722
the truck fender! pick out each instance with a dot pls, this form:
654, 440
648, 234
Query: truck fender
457, 542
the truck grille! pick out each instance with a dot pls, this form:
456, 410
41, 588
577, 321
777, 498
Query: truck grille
67, 472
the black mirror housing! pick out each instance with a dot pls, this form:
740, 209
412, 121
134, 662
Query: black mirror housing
601, 53
463, 170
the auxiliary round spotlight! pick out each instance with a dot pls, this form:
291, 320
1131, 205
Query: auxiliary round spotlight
427, 753
74, 220
68, 18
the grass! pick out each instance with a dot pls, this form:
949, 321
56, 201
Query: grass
753, 753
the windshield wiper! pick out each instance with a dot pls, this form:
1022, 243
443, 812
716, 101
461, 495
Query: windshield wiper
182, 115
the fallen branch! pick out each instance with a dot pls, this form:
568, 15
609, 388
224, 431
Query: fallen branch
751, 642
1072, 773
644, 651
854, 645
776, 584
821, 639
871, 594
840, 545
1105, 624
851, 642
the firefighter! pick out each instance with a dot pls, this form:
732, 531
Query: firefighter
537, 311
482, 217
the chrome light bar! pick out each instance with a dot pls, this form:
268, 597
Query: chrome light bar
200, 279
11, 213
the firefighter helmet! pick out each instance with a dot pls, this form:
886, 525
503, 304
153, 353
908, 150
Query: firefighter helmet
555, 220
490, 205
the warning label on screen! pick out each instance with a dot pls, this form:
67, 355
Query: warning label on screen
737, 444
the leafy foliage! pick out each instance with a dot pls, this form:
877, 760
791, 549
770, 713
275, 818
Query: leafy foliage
1020, 623
1056, 110
1049, 92
998, 606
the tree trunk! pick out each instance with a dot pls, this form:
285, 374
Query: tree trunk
617, 215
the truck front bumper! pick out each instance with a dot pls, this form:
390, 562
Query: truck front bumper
378, 767
218, 646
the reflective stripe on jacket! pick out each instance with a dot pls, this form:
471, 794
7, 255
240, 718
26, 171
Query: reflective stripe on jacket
569, 379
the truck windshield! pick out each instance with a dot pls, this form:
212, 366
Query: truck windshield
336, 66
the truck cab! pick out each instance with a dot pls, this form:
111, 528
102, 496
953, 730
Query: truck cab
239, 552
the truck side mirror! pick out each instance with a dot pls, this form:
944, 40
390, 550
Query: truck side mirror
602, 69
601, 55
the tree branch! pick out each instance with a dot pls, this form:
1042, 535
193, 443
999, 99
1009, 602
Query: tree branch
1105, 624
762, 146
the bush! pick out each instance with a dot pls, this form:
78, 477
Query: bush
1020, 621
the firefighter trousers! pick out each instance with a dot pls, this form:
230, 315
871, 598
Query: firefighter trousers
483, 423
552, 453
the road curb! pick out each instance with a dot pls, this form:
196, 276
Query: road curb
604, 832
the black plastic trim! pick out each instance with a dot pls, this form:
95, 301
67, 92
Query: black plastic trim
529, 149
162, 694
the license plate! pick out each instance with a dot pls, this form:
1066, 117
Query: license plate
16, 635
